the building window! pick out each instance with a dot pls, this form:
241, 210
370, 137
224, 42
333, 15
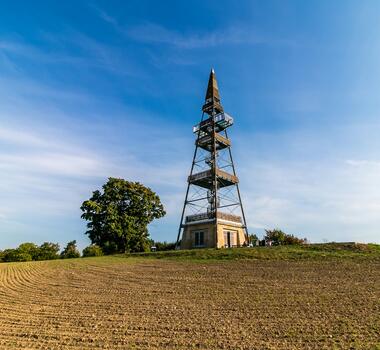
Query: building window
199, 238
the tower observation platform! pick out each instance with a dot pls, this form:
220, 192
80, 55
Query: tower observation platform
212, 214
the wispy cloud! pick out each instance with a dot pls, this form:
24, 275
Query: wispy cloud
76, 104
336, 200
74, 49
153, 33
112, 58
157, 34
17, 47
20, 137
363, 163
45, 177
105, 16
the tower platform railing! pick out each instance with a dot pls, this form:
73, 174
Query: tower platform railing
206, 142
222, 121
205, 178
207, 216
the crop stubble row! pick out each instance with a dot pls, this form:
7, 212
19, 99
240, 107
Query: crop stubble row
152, 304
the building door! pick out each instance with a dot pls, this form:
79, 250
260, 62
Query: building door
228, 239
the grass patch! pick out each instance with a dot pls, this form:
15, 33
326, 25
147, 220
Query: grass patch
307, 251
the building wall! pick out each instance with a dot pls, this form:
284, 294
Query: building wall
188, 238
211, 240
239, 235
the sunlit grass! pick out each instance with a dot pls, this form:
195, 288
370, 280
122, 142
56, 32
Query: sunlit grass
309, 251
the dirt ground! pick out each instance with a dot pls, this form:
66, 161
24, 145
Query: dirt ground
118, 303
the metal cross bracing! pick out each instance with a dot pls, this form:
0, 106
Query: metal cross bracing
213, 185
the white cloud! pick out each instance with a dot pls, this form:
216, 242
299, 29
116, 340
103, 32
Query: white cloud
20, 137
52, 163
363, 163
306, 183
323, 198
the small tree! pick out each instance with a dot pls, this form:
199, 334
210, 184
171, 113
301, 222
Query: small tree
276, 236
92, 250
70, 251
118, 217
253, 238
279, 237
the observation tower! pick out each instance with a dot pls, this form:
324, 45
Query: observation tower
213, 214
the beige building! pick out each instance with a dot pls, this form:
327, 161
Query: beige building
202, 232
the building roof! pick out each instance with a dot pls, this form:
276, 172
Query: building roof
212, 99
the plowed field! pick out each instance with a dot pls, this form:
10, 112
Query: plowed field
119, 303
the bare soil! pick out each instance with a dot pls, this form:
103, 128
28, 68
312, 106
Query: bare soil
118, 303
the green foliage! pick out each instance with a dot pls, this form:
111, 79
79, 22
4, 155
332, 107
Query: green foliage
118, 216
164, 246
70, 251
372, 246
253, 239
92, 250
30, 251
48, 251
279, 237
10, 255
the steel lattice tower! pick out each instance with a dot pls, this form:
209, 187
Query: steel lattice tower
212, 197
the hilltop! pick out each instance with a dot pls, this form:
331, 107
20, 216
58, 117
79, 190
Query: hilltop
291, 252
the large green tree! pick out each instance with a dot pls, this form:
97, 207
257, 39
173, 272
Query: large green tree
118, 216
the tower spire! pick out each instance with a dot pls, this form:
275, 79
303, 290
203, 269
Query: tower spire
212, 99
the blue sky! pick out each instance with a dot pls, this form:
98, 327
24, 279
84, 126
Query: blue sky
95, 89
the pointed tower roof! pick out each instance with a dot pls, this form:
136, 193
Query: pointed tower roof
212, 100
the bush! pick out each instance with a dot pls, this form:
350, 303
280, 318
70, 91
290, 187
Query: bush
30, 251
92, 250
10, 255
70, 251
279, 237
292, 240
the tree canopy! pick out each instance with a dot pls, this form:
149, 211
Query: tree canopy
118, 216
48, 251
30, 251
70, 251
